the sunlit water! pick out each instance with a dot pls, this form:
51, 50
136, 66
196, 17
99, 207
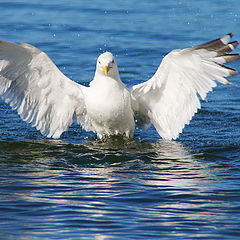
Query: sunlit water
146, 188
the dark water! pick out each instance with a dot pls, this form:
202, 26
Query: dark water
146, 188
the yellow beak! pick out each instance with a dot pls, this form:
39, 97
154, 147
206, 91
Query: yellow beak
106, 70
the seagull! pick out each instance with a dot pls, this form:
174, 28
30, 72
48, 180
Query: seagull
44, 97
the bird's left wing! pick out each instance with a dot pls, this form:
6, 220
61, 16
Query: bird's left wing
170, 98
32, 84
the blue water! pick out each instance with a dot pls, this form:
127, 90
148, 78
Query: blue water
146, 188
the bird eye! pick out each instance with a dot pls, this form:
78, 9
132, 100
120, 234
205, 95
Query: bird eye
113, 61
99, 62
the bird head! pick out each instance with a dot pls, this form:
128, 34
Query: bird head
106, 65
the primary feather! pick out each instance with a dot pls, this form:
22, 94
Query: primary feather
44, 97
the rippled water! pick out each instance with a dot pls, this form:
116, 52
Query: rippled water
146, 188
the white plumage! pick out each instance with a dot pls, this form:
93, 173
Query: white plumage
44, 97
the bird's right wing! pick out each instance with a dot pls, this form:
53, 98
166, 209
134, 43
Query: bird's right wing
42, 95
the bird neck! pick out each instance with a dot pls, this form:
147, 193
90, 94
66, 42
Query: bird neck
102, 79
113, 74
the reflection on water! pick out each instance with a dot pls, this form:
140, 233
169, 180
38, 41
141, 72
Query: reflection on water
81, 187
164, 159
97, 168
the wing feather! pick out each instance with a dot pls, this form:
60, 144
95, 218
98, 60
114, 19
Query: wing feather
170, 98
42, 95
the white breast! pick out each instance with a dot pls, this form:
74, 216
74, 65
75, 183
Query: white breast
108, 105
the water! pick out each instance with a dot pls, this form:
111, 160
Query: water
146, 188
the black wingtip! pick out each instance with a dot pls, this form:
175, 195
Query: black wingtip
234, 44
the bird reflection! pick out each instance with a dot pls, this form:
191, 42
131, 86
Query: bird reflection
98, 180
103, 165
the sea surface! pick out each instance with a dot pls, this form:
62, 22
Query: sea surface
78, 187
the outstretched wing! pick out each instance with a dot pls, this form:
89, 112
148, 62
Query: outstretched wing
170, 98
42, 95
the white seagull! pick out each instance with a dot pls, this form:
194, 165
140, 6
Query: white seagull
44, 97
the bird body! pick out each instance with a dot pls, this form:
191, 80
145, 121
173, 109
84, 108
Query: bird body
44, 97
112, 112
